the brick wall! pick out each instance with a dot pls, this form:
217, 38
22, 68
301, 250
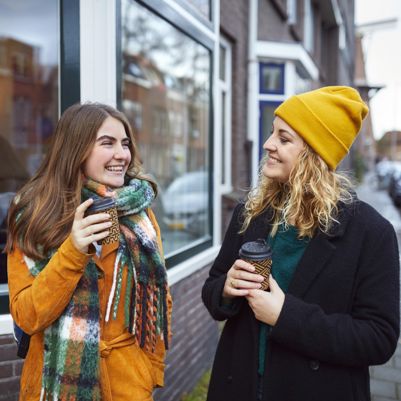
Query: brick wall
10, 369
194, 342
234, 16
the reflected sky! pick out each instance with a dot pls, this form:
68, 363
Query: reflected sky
31, 21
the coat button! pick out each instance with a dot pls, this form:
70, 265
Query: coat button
314, 365
229, 379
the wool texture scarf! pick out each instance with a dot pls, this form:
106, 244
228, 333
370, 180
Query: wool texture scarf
71, 344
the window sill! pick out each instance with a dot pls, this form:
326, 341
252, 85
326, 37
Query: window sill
6, 324
190, 266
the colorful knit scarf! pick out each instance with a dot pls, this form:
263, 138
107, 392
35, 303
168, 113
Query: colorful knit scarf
71, 344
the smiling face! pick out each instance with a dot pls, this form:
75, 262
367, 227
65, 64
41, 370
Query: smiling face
283, 148
110, 157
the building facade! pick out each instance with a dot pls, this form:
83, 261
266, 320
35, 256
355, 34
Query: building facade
198, 80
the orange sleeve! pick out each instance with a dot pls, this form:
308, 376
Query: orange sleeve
36, 302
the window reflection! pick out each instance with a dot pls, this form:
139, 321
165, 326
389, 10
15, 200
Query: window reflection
29, 96
165, 94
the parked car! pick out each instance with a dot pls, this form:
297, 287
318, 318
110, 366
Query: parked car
394, 186
384, 170
185, 203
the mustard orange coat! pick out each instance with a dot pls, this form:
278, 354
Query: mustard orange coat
127, 372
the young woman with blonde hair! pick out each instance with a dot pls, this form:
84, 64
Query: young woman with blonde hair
333, 305
98, 315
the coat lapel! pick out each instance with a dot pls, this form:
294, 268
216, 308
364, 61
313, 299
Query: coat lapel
317, 254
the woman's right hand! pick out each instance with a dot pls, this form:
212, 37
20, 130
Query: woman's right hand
85, 230
240, 279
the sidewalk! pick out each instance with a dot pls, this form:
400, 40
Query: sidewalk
385, 379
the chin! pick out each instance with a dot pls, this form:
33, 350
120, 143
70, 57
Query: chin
114, 183
266, 171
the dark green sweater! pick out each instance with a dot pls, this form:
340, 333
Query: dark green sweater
287, 251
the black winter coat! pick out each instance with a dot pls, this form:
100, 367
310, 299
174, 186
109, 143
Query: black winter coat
340, 315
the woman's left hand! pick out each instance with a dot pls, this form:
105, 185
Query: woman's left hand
267, 305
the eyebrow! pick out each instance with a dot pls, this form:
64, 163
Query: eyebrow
283, 131
111, 138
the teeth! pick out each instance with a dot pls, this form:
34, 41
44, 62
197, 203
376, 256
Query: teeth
114, 169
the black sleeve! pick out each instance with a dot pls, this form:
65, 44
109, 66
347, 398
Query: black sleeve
368, 335
214, 284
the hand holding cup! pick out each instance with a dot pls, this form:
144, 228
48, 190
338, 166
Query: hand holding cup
86, 230
240, 279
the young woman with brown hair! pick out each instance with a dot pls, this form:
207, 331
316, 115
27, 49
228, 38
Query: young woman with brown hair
98, 316
333, 305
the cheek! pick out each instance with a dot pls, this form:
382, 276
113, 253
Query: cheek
128, 156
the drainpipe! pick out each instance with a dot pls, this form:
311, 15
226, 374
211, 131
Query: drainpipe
252, 140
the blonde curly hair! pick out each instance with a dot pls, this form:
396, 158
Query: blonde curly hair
309, 199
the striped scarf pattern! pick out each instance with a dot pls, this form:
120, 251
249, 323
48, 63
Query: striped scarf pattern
71, 344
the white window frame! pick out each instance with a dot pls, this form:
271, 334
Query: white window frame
292, 11
309, 33
225, 87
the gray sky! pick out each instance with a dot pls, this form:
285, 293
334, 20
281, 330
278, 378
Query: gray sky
34, 22
383, 61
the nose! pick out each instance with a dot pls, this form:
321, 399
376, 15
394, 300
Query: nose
119, 152
270, 145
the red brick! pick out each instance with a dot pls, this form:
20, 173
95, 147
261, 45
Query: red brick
8, 388
6, 370
8, 353
7, 339
18, 367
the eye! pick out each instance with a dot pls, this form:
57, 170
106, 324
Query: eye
106, 143
126, 145
283, 139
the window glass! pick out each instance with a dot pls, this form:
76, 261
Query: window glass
223, 56
272, 78
302, 83
166, 96
29, 71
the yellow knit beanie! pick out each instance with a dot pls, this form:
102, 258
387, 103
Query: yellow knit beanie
328, 119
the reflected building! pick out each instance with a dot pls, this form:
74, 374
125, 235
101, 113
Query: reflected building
167, 115
27, 109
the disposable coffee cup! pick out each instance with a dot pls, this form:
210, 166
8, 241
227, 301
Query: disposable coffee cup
259, 254
107, 205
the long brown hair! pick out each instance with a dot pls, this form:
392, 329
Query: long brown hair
310, 198
41, 216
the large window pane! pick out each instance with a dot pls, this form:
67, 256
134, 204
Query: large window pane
166, 95
29, 98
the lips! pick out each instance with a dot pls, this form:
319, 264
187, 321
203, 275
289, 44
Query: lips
273, 160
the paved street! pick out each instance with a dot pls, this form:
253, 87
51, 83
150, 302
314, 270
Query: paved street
385, 379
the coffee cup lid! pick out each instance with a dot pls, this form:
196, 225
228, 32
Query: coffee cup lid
255, 250
101, 204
